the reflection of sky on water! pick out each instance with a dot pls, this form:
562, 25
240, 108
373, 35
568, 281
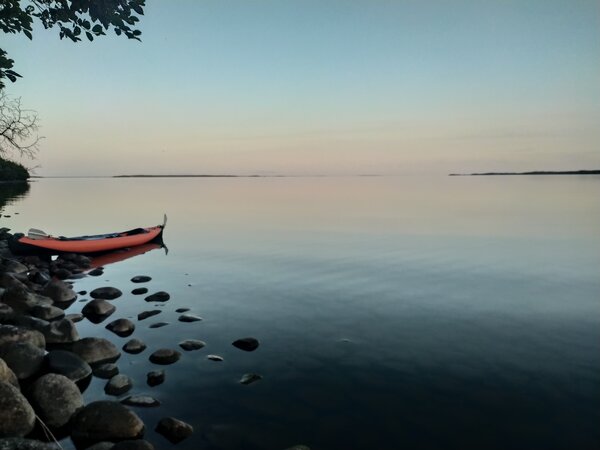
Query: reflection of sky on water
392, 312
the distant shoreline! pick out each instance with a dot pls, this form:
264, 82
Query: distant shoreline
197, 176
565, 172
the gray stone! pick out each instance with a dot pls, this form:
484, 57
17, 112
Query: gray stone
16, 414
47, 312
248, 344
159, 325
74, 317
139, 291
155, 377
7, 375
96, 272
10, 333
121, 327
106, 420
160, 296
192, 344
104, 445
189, 318
107, 293
26, 444
61, 331
145, 314
134, 346
137, 444
106, 371
182, 310
97, 310
165, 356
14, 266
140, 279
56, 398
96, 350
23, 358
174, 430
22, 300
117, 385
6, 312
59, 291
141, 400
68, 364
249, 378
215, 358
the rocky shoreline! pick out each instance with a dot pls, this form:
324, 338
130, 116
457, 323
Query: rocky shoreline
45, 364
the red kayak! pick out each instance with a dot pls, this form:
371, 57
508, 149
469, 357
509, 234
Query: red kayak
37, 240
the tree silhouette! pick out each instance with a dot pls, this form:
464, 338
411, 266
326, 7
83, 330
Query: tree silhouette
18, 128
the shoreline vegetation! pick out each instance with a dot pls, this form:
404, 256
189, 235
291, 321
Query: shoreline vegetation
541, 172
12, 172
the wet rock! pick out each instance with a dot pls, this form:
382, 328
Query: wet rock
106, 420
189, 318
159, 296
216, 358
16, 414
106, 293
104, 445
47, 312
97, 310
75, 317
298, 447
82, 292
21, 300
61, 273
106, 371
140, 279
96, 272
96, 350
139, 291
7, 375
182, 310
136, 444
141, 400
247, 344
6, 312
68, 364
17, 443
59, 291
117, 385
134, 346
23, 358
145, 314
173, 429
165, 356
10, 333
61, 331
155, 377
14, 266
56, 398
32, 323
39, 277
192, 344
121, 327
159, 325
249, 378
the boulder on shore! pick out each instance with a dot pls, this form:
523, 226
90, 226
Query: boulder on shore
56, 398
106, 421
16, 414
96, 350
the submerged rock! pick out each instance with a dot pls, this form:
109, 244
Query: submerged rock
68, 364
96, 350
106, 420
141, 400
249, 378
106, 371
139, 291
119, 384
96, 272
192, 344
248, 344
106, 293
216, 358
159, 325
56, 398
160, 296
97, 310
155, 377
165, 356
189, 318
182, 310
145, 314
134, 346
140, 279
174, 430
121, 327
16, 414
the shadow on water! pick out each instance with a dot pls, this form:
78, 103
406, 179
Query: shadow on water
10, 192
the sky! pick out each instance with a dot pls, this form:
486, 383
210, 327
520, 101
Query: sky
334, 87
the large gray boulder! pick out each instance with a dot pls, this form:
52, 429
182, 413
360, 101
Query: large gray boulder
107, 293
59, 291
10, 333
18, 443
56, 399
68, 364
97, 310
7, 375
24, 358
61, 331
106, 421
96, 350
22, 300
16, 414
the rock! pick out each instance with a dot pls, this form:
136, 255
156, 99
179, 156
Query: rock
139, 291
106, 420
121, 327
192, 344
136, 444
298, 447
25, 444
189, 318
56, 398
155, 377
61, 273
22, 300
97, 310
160, 296
140, 279
216, 358
96, 272
14, 266
96, 350
6, 312
75, 317
106, 293
68, 364
117, 385
165, 356
59, 291
249, 378
82, 292
106, 371
23, 358
248, 344
16, 414
141, 400
61, 331
39, 277
7, 375
32, 323
159, 324
104, 445
182, 310
145, 314
10, 333
134, 346
47, 312
173, 429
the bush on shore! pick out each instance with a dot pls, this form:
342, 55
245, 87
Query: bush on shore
12, 171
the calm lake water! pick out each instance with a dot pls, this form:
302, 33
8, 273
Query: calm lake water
393, 312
